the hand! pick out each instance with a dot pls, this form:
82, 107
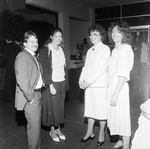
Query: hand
86, 85
147, 115
52, 89
81, 84
114, 100
31, 101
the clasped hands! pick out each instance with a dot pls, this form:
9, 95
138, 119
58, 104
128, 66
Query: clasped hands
83, 84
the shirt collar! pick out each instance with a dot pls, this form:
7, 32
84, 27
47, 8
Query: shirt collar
32, 53
94, 48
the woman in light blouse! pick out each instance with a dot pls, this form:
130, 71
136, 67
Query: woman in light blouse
53, 61
93, 80
120, 66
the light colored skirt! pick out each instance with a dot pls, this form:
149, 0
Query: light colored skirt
96, 103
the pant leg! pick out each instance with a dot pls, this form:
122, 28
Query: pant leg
10, 85
33, 116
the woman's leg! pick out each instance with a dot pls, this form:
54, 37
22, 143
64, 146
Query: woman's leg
89, 128
126, 142
119, 143
101, 137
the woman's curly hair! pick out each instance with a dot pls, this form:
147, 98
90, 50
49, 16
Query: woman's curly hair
100, 29
123, 28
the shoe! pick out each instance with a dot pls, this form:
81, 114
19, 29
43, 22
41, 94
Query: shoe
54, 139
91, 137
120, 147
61, 137
100, 143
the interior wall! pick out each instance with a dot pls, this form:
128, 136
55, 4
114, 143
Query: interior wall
78, 31
46, 17
66, 6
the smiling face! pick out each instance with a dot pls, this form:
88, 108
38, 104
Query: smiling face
95, 37
31, 43
117, 35
56, 38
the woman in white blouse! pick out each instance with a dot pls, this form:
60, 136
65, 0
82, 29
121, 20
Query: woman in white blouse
93, 80
120, 66
53, 61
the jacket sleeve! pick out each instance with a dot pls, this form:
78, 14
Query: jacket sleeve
99, 66
23, 77
46, 62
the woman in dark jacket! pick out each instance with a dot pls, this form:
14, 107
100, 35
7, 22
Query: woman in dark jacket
53, 61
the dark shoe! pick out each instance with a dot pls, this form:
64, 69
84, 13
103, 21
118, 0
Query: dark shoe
118, 145
116, 148
100, 143
91, 137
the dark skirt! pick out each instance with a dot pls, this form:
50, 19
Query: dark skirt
53, 105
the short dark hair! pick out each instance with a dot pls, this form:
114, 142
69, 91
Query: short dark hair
98, 28
29, 34
123, 27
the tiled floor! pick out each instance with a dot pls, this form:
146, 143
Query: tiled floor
13, 136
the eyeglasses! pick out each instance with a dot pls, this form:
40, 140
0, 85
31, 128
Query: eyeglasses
94, 35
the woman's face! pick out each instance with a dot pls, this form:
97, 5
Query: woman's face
56, 38
31, 43
95, 37
116, 35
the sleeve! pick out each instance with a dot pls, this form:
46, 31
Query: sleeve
46, 62
84, 68
5, 52
100, 66
22, 76
125, 62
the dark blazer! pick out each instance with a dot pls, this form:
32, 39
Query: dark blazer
10, 52
46, 62
27, 75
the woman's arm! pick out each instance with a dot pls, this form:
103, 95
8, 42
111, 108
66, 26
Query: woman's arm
45, 60
114, 98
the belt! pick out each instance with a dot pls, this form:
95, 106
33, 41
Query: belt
37, 89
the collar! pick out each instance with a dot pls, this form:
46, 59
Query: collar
95, 47
32, 53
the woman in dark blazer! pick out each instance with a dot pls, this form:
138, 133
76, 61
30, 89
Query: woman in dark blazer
53, 61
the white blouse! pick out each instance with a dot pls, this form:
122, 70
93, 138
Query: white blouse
58, 64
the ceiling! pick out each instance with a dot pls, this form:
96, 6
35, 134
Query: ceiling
103, 3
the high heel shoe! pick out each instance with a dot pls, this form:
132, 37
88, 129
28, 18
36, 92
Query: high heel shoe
120, 147
54, 139
62, 137
91, 137
100, 143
